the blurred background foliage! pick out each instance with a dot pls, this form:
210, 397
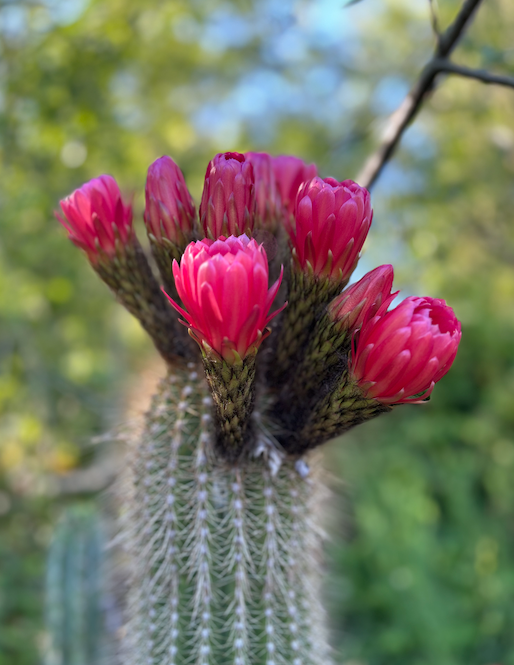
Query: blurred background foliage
421, 565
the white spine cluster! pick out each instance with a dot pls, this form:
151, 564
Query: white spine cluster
296, 563
198, 565
274, 589
239, 563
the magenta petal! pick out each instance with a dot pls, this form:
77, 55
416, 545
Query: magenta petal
386, 351
249, 331
390, 381
397, 318
235, 287
272, 293
322, 207
290, 172
274, 314
360, 360
423, 379
179, 309
421, 350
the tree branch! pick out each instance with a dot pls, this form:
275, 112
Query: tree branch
449, 67
409, 108
451, 36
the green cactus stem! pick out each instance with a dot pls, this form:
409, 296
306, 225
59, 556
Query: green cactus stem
224, 556
75, 590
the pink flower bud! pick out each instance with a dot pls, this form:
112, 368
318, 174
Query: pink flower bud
369, 297
95, 217
228, 199
290, 173
224, 287
401, 355
332, 221
170, 210
268, 200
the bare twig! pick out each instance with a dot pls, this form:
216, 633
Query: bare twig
434, 19
449, 67
409, 108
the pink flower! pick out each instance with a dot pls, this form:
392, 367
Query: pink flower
369, 297
170, 210
95, 217
266, 192
224, 287
290, 173
401, 355
332, 221
228, 199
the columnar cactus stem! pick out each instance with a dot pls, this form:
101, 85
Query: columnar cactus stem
222, 564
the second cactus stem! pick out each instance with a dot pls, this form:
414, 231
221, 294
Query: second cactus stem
223, 557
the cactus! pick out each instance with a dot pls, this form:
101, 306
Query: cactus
225, 557
74, 590
221, 492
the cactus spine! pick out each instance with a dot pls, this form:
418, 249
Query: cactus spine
223, 556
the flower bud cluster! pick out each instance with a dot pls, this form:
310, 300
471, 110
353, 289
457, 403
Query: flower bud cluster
335, 348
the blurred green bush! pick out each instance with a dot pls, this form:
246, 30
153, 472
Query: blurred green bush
421, 570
